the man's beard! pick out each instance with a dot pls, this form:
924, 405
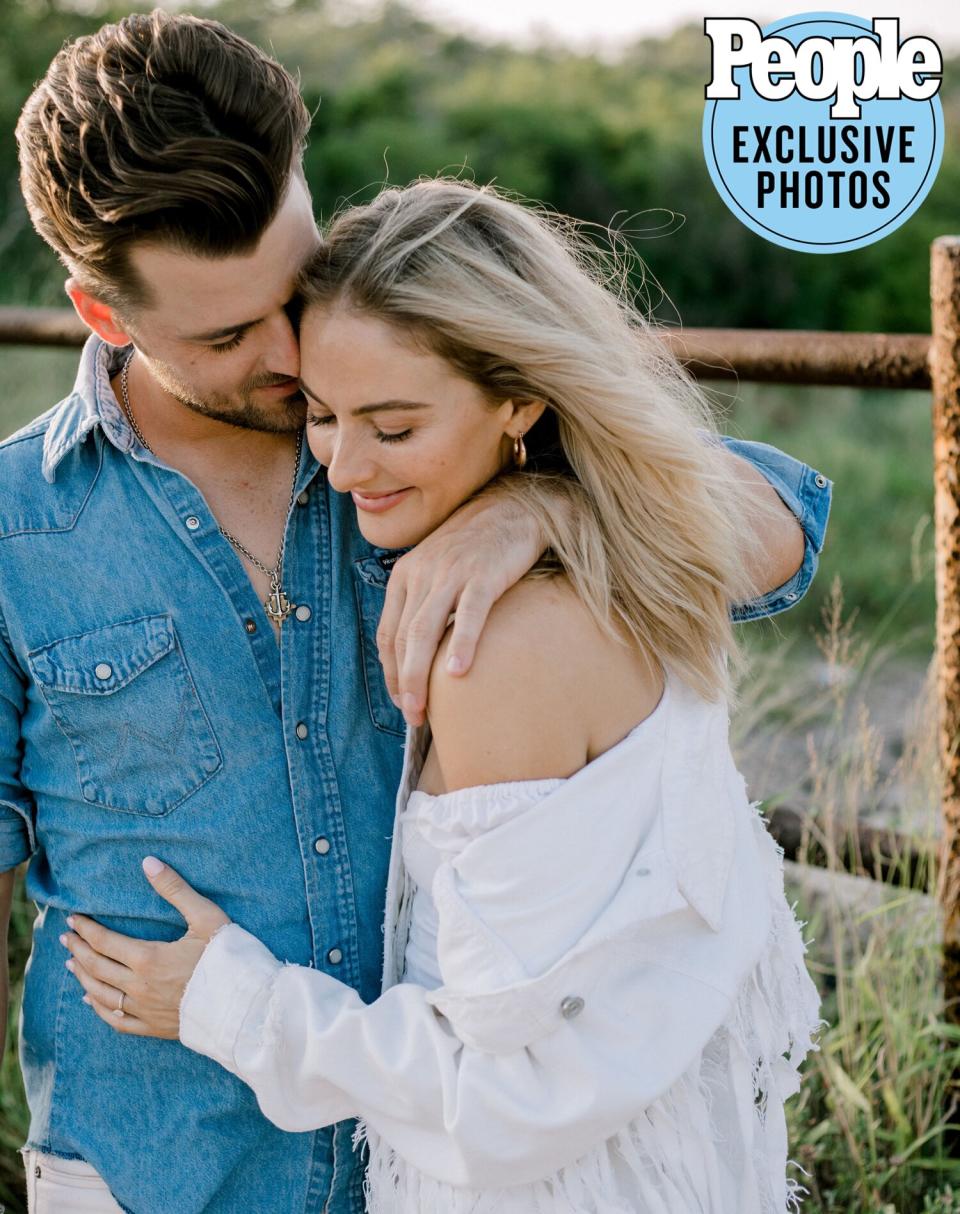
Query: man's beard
284, 416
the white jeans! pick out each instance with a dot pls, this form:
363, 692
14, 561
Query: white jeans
65, 1186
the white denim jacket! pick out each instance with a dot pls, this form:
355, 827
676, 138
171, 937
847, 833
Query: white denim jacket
636, 1063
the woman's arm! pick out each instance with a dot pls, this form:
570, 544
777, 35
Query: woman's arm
569, 1056
314, 1054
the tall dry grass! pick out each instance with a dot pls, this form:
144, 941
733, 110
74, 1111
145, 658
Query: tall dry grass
868, 1123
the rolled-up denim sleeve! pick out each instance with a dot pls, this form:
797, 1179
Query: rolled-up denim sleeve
807, 493
17, 832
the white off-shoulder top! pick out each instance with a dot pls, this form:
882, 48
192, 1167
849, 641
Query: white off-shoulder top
594, 1001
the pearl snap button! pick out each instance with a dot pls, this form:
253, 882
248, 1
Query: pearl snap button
302, 731
334, 956
322, 846
820, 480
192, 523
303, 613
303, 498
103, 670
571, 1006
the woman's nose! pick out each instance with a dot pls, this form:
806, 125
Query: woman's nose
347, 468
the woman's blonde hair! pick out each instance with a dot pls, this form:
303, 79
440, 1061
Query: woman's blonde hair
523, 303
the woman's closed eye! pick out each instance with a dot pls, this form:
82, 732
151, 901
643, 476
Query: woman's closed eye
325, 419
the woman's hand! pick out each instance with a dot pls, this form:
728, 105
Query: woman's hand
150, 975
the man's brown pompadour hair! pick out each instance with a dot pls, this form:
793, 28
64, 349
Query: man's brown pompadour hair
160, 127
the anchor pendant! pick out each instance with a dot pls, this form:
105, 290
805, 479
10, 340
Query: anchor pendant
278, 606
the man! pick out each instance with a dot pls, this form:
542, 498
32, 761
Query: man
191, 625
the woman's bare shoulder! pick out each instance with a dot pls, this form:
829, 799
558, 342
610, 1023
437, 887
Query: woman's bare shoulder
538, 694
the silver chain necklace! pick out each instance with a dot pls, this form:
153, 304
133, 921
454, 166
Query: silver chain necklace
276, 605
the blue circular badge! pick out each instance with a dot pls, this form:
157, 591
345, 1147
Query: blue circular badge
836, 136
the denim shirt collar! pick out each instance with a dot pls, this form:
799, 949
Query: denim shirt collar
92, 403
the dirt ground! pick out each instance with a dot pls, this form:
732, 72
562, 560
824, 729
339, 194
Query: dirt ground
857, 741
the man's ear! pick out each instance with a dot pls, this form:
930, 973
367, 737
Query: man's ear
97, 315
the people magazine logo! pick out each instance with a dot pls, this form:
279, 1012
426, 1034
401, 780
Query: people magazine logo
822, 132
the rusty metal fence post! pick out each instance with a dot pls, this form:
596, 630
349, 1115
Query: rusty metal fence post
945, 380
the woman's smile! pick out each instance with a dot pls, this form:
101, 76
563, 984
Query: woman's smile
376, 503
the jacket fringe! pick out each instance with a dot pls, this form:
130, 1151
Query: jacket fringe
753, 1058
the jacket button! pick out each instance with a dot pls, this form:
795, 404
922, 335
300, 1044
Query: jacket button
820, 480
193, 523
302, 731
303, 613
103, 670
790, 596
335, 956
322, 846
303, 498
571, 1006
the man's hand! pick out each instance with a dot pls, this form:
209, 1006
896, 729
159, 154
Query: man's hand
483, 549
150, 974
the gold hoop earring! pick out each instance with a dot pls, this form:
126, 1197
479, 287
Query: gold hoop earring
519, 452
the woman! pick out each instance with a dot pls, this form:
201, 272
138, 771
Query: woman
592, 976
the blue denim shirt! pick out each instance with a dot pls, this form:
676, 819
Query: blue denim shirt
145, 707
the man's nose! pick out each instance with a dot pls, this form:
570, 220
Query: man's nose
281, 345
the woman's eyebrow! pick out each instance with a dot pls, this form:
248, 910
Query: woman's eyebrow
383, 406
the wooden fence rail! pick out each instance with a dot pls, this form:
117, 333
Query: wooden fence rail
866, 360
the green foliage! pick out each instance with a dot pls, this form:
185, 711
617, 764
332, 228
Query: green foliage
396, 97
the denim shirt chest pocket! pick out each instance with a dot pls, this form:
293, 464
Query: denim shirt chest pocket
124, 698
371, 576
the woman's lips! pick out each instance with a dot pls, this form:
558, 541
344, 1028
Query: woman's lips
377, 503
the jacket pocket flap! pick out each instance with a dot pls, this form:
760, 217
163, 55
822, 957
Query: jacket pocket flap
104, 660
